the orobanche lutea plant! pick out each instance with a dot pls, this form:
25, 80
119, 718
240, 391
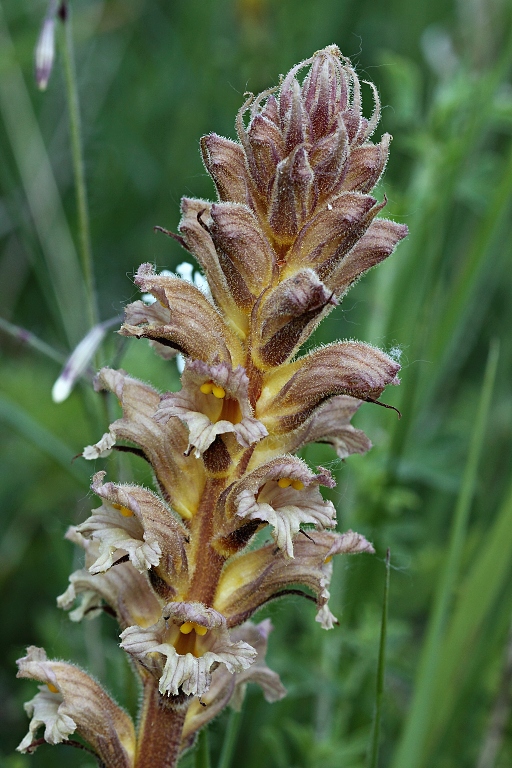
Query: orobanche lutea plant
294, 227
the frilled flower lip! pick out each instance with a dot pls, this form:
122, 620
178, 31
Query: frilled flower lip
134, 522
123, 590
48, 709
188, 673
205, 413
163, 445
284, 493
228, 688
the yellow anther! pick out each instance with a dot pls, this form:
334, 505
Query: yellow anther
284, 482
298, 485
218, 392
188, 626
328, 559
206, 388
123, 510
51, 687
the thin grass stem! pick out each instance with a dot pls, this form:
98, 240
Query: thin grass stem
42, 193
27, 337
230, 739
21, 421
410, 753
203, 750
75, 127
381, 669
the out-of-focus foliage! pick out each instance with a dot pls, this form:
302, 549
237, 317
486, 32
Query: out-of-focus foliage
153, 77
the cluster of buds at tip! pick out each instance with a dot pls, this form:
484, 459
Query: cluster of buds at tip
295, 225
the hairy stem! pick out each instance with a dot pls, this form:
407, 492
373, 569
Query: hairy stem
159, 737
209, 563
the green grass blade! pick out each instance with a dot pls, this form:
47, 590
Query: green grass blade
203, 750
461, 295
410, 753
374, 751
478, 595
26, 425
26, 337
41, 192
75, 130
230, 739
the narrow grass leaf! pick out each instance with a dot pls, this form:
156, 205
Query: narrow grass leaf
203, 750
27, 337
478, 595
17, 418
411, 749
230, 739
41, 192
462, 293
381, 669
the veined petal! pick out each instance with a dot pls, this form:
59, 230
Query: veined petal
366, 165
328, 160
195, 227
291, 195
139, 313
324, 240
196, 328
266, 145
133, 520
351, 368
287, 315
123, 588
330, 423
378, 242
245, 254
284, 492
162, 444
255, 577
76, 702
225, 408
225, 162
184, 645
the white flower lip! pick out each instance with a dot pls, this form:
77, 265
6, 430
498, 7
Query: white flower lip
202, 413
189, 673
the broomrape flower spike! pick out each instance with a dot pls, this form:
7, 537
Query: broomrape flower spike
294, 226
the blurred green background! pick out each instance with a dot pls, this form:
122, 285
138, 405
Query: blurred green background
436, 489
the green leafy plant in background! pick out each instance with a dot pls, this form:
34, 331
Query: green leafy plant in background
442, 299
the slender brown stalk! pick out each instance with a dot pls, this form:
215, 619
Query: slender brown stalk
210, 563
159, 737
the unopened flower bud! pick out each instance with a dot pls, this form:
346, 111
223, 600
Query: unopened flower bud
45, 47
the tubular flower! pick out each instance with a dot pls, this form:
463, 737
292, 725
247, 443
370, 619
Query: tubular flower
213, 401
294, 226
72, 701
191, 639
226, 688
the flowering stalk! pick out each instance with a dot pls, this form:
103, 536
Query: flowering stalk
293, 228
